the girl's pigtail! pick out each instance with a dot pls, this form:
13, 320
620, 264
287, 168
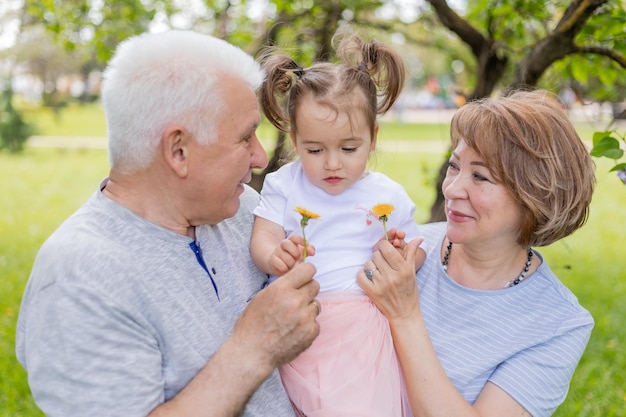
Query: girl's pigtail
382, 63
281, 72
387, 70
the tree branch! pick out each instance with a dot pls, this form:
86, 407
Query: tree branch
450, 19
610, 53
576, 15
557, 45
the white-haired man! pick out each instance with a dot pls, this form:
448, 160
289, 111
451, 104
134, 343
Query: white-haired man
146, 301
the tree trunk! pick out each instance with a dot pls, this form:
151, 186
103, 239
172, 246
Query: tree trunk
529, 70
437, 210
490, 69
281, 154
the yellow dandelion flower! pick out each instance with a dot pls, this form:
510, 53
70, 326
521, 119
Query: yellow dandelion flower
306, 216
306, 213
382, 211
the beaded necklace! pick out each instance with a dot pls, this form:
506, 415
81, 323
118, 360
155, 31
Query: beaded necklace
511, 283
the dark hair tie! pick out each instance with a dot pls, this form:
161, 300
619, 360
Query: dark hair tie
362, 66
299, 72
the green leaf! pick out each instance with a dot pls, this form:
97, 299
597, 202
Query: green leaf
580, 72
618, 167
608, 77
598, 136
607, 147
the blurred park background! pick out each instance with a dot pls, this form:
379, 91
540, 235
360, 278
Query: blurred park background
53, 133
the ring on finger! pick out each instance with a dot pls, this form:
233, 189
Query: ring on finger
369, 273
319, 307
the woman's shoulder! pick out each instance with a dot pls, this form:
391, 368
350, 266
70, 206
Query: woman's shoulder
432, 232
555, 297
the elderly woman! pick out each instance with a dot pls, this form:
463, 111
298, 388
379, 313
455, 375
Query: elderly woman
487, 329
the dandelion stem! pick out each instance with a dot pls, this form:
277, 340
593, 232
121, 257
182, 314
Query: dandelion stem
306, 216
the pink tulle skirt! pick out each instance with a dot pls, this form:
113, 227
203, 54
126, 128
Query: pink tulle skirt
351, 368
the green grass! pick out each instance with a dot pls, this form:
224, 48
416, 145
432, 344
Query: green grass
88, 120
592, 264
41, 187
74, 120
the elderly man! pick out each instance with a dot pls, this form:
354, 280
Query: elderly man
146, 301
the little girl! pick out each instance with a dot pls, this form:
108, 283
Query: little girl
329, 110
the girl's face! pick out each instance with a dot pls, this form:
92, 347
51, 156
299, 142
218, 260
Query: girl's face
333, 151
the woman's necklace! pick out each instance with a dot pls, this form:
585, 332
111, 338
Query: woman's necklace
511, 283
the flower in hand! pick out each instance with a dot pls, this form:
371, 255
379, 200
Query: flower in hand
382, 211
306, 216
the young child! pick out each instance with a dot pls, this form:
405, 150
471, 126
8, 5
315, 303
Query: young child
329, 110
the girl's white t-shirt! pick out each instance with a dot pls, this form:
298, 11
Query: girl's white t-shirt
346, 232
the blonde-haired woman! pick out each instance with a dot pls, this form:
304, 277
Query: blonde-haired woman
487, 329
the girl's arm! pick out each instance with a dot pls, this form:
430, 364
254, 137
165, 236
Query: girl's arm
431, 393
271, 251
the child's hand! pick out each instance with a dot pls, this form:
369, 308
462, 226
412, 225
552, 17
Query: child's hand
288, 253
396, 238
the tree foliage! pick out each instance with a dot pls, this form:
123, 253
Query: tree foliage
14, 131
100, 25
607, 145
515, 43
580, 44
551, 44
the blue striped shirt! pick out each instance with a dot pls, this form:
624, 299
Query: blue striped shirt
526, 339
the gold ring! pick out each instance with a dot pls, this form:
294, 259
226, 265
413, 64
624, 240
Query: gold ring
318, 305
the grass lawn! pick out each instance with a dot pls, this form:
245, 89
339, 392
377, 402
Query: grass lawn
41, 187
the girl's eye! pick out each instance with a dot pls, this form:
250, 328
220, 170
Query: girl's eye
314, 150
350, 149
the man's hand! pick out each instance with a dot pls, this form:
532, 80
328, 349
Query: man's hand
279, 323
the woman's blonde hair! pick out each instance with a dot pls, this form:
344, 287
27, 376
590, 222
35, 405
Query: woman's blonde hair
369, 78
531, 147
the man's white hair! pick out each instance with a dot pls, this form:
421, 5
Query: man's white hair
173, 77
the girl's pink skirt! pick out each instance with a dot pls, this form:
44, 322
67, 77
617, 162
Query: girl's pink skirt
351, 368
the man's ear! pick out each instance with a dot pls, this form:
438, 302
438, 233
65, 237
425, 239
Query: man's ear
175, 143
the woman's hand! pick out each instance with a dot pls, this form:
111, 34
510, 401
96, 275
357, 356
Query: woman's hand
393, 286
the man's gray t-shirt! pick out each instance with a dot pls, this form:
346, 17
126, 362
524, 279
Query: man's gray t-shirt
120, 314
